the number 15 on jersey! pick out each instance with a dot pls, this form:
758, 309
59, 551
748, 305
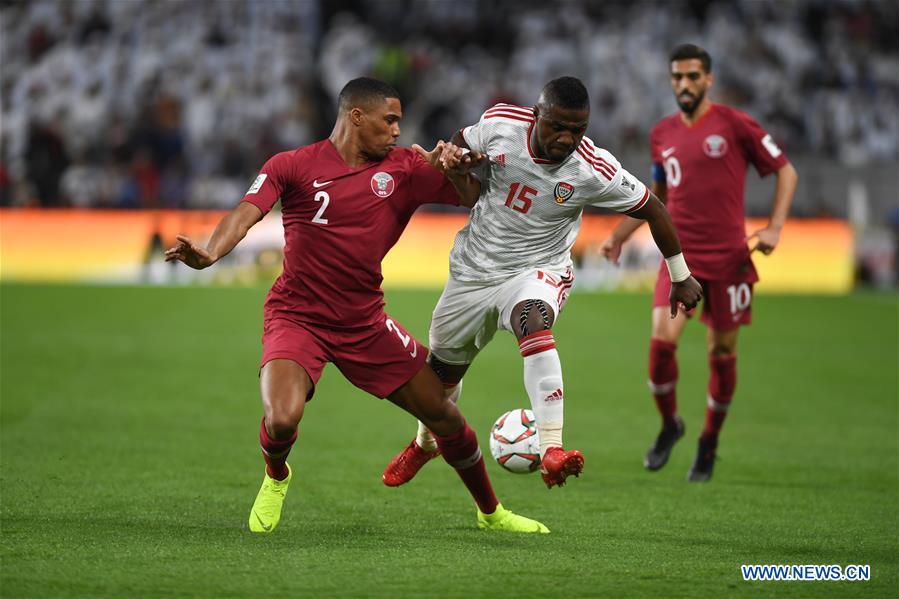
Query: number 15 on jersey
521, 202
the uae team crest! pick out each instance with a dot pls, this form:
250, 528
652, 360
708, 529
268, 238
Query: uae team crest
563, 191
714, 146
382, 184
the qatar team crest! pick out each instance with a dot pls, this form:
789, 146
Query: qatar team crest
714, 146
382, 184
563, 192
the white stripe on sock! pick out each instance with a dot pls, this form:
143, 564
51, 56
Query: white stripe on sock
717, 406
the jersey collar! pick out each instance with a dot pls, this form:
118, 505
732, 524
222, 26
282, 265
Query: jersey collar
701, 119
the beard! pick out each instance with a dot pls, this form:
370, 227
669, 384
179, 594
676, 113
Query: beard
688, 103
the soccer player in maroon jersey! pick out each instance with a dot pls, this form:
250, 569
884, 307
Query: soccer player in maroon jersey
345, 201
700, 158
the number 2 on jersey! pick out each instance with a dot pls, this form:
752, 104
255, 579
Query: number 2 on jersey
391, 326
324, 198
525, 202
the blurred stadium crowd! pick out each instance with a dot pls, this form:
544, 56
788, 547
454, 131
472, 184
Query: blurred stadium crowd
177, 103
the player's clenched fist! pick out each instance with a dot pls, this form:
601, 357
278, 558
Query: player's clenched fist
686, 293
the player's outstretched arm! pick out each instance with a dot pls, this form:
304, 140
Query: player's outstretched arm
228, 233
611, 247
769, 237
685, 290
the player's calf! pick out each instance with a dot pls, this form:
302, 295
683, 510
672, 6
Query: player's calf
662, 382
543, 382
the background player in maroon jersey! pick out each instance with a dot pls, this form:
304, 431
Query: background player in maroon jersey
345, 201
700, 158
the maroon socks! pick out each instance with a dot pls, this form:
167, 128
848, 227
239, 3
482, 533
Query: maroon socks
461, 451
275, 453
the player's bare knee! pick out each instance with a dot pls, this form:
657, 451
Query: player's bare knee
531, 316
283, 413
665, 336
722, 344
283, 419
280, 429
720, 350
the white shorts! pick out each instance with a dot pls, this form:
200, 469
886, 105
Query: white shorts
468, 314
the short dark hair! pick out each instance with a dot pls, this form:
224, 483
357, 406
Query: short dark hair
688, 51
565, 92
363, 91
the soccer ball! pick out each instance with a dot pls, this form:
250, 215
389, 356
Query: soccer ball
514, 443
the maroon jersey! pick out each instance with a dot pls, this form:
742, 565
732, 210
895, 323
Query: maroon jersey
339, 223
704, 169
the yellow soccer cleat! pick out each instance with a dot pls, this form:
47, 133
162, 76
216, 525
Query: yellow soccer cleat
503, 519
266, 512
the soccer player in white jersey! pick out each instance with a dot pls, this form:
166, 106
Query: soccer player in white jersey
510, 267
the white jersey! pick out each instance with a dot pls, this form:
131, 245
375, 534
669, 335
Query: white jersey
529, 211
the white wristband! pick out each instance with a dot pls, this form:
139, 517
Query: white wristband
677, 268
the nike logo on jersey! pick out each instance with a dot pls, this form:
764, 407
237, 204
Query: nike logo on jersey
668, 152
316, 184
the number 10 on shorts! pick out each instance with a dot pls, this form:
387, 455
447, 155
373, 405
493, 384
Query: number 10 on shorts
740, 296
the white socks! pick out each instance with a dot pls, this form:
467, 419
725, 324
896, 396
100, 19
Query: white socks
424, 438
543, 383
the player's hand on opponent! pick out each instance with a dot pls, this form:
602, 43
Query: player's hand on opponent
190, 253
767, 239
434, 157
611, 249
685, 294
461, 161
449, 158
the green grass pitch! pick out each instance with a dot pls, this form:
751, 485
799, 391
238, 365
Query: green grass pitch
130, 459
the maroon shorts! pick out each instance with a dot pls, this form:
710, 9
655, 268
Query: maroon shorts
725, 304
378, 359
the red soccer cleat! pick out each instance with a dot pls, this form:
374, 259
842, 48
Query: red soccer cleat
558, 464
406, 464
